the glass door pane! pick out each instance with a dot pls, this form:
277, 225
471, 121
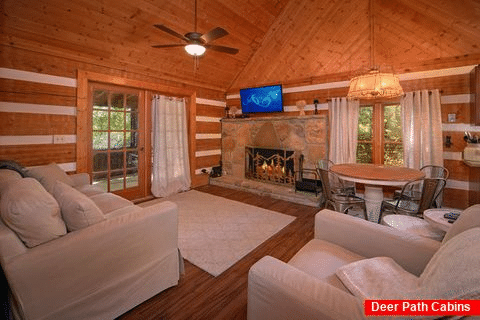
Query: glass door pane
115, 139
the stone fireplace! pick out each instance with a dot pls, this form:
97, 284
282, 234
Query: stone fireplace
296, 135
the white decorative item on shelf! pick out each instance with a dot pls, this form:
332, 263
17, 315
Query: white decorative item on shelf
233, 111
301, 106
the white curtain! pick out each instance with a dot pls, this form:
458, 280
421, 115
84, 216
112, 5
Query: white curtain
343, 116
422, 129
170, 168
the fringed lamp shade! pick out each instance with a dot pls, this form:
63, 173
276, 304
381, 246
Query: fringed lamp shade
373, 85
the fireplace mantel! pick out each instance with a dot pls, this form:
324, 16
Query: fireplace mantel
278, 118
306, 135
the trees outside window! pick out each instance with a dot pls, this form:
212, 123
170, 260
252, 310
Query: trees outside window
380, 134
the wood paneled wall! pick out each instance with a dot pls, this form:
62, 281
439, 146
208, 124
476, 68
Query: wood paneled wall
455, 86
38, 95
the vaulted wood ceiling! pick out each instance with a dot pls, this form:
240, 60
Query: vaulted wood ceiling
279, 40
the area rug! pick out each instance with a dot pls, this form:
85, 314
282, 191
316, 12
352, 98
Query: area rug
214, 232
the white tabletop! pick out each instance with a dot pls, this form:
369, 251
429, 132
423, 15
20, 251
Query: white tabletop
436, 219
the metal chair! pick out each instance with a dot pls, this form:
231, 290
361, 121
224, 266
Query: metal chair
341, 202
430, 171
404, 204
336, 184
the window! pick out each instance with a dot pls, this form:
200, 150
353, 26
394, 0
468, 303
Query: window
380, 134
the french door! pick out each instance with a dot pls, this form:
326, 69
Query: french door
117, 155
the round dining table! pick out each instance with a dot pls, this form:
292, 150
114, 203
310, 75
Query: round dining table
375, 177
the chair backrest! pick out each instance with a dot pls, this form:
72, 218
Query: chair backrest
327, 190
432, 171
324, 164
431, 188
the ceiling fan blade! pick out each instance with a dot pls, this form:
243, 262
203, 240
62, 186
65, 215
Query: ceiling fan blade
167, 45
214, 34
170, 31
222, 49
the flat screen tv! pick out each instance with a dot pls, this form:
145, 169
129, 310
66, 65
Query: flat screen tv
262, 99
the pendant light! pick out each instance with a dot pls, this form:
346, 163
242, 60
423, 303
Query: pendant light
374, 84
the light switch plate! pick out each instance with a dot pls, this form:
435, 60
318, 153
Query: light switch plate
452, 117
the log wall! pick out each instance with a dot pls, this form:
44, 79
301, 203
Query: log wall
38, 94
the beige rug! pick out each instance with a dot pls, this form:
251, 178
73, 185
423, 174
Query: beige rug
214, 232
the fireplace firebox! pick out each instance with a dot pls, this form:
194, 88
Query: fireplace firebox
270, 165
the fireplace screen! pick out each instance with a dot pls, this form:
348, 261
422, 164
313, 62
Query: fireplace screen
270, 165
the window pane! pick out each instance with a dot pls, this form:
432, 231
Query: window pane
117, 101
132, 159
117, 120
393, 155
392, 123
365, 131
116, 140
116, 180
132, 102
116, 160
364, 152
100, 99
131, 120
101, 180
132, 178
100, 120
100, 162
100, 140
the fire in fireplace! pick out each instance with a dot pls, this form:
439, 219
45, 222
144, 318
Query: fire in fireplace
270, 165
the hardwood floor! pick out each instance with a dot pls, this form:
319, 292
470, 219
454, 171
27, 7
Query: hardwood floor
199, 295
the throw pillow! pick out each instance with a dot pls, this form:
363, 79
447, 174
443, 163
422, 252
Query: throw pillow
6, 177
31, 212
379, 277
48, 175
77, 209
452, 273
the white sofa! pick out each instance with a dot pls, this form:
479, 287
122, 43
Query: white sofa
351, 259
99, 270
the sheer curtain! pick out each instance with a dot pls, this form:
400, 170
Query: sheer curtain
343, 115
422, 129
170, 168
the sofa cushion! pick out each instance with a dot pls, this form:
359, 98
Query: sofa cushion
78, 211
31, 212
321, 259
48, 175
452, 273
89, 189
469, 218
108, 202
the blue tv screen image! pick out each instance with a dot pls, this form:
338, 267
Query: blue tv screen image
262, 99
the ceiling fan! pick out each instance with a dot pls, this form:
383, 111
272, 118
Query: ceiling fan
197, 43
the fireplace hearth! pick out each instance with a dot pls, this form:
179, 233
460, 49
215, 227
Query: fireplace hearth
270, 165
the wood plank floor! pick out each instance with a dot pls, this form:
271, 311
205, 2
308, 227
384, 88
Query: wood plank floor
199, 295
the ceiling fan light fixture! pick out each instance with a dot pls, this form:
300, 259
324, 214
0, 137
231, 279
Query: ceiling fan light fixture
194, 49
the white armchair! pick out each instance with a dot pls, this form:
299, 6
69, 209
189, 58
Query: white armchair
307, 287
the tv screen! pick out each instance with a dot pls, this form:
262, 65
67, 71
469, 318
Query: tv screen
262, 99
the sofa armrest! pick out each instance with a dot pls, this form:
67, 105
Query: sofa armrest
277, 290
10, 244
80, 265
370, 240
80, 179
